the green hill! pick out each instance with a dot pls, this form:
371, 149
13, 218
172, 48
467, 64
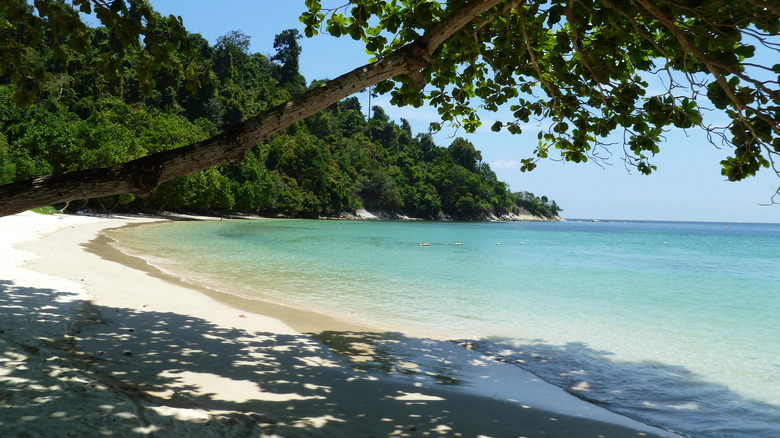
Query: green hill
337, 161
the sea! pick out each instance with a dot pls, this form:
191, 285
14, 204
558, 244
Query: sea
674, 324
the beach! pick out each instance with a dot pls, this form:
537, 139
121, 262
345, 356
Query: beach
96, 342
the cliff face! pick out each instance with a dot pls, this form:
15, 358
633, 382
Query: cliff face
520, 216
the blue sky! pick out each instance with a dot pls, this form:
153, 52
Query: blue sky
686, 186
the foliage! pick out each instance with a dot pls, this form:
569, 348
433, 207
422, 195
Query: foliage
333, 162
539, 206
135, 33
45, 210
583, 67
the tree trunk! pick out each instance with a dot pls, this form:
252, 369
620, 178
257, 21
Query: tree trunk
144, 174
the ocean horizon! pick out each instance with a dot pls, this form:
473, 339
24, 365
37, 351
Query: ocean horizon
670, 323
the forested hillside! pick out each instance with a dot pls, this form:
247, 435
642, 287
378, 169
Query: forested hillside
340, 160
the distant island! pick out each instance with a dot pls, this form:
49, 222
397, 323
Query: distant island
341, 162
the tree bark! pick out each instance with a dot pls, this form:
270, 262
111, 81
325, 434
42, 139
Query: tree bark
144, 174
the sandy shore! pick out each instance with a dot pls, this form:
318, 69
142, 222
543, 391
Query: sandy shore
97, 343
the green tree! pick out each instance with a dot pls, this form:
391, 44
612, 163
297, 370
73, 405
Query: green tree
465, 154
579, 65
379, 191
288, 53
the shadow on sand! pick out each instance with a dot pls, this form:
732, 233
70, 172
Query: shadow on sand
104, 371
650, 392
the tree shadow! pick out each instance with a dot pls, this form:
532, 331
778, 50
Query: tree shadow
651, 392
394, 354
145, 372
43, 383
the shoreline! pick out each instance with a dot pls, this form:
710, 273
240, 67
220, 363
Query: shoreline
301, 320
172, 358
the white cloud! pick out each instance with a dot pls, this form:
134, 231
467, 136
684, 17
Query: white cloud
505, 164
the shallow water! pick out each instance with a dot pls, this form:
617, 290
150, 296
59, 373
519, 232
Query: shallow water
674, 324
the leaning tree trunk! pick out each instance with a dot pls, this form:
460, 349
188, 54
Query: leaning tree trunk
144, 174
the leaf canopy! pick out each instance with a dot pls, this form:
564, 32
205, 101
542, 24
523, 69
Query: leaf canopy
585, 66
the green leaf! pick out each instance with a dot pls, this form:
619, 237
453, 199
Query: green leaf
717, 96
85, 7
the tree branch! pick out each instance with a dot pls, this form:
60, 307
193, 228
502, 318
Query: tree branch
709, 63
771, 6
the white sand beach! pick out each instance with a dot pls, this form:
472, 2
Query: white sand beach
96, 343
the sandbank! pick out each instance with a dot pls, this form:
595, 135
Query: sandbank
95, 342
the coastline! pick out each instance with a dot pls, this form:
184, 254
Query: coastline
170, 359
299, 320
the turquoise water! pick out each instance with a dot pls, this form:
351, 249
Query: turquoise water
674, 324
